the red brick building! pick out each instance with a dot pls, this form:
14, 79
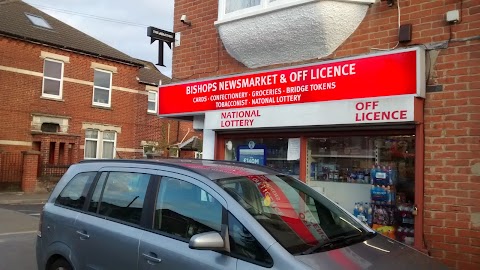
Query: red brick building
436, 153
72, 97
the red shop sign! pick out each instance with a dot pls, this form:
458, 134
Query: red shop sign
394, 73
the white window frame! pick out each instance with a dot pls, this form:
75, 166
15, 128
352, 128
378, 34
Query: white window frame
105, 140
266, 6
91, 139
109, 103
100, 141
155, 101
60, 91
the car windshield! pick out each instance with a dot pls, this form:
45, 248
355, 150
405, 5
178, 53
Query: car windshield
300, 219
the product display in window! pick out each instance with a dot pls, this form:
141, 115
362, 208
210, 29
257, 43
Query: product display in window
384, 164
271, 152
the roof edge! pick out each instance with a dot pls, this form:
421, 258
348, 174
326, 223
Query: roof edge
66, 48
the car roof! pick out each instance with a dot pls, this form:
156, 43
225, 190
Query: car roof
211, 169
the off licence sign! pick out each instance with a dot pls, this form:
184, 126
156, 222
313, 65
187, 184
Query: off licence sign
382, 75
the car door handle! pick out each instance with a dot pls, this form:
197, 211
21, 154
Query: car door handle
152, 259
83, 235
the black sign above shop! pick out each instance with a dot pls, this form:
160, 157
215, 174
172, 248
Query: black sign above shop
163, 37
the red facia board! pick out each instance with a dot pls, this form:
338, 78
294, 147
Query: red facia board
388, 74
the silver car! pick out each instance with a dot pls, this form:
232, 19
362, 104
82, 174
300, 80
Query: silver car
200, 214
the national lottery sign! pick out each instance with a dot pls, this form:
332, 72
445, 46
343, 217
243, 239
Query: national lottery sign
394, 73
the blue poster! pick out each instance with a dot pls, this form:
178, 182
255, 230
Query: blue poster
252, 154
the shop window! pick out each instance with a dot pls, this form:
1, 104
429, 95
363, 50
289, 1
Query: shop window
100, 144
102, 89
373, 177
52, 79
281, 154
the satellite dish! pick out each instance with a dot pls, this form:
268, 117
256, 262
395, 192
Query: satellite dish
229, 145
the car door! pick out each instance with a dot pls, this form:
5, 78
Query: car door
184, 207
109, 230
59, 218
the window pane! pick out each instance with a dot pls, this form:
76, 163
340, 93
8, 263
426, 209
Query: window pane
234, 5
51, 87
95, 201
102, 79
152, 96
152, 106
109, 135
244, 245
91, 134
90, 149
52, 69
180, 210
101, 95
74, 194
124, 195
271, 152
107, 150
38, 21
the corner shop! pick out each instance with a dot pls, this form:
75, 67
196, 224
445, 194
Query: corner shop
326, 123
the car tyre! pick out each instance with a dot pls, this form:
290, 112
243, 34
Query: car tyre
60, 264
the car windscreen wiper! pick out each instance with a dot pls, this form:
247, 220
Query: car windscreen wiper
343, 239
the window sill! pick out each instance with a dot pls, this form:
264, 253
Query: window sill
257, 12
52, 99
102, 107
152, 113
275, 7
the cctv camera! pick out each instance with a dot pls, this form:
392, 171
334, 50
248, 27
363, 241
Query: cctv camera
183, 19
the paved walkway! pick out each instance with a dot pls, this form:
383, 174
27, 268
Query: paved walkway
23, 198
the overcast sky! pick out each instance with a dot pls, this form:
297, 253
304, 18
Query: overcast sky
129, 37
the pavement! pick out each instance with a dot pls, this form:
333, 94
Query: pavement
23, 198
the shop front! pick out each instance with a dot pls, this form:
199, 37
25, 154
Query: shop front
352, 129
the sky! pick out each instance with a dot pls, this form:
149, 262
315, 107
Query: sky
130, 36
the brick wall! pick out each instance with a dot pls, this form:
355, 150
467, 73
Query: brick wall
452, 115
20, 96
30, 163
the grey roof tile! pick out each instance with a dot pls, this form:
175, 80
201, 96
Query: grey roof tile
14, 23
151, 75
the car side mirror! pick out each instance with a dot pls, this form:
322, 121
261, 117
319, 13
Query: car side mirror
207, 241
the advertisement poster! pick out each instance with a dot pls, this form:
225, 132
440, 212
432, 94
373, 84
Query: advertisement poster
293, 152
251, 153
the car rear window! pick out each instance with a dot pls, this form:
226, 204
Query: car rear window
75, 192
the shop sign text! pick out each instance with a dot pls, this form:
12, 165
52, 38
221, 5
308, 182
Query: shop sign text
369, 111
386, 75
